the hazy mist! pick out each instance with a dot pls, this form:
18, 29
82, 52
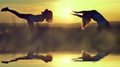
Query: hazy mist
16, 38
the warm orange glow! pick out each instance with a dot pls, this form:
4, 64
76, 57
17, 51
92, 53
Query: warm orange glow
62, 9
63, 60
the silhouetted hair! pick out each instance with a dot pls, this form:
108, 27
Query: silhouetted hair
48, 15
49, 57
86, 19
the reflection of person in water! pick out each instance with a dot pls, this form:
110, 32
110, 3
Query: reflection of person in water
87, 57
96, 16
46, 15
30, 55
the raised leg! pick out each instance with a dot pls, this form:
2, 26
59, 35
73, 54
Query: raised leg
24, 16
14, 60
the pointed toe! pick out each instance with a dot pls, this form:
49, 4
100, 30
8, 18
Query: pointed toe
4, 9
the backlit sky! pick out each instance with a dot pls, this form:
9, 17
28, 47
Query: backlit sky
61, 8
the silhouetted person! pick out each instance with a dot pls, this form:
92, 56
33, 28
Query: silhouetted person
45, 15
96, 16
30, 55
87, 56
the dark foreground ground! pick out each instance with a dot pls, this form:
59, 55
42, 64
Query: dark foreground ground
45, 38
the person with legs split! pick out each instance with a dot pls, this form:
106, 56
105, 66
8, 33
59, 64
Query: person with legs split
45, 15
30, 55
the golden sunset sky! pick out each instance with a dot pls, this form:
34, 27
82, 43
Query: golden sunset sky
61, 8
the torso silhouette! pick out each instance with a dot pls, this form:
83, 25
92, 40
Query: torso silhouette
36, 18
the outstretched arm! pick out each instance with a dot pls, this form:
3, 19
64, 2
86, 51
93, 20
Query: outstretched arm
79, 11
78, 15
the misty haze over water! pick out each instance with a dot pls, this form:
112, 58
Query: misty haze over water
16, 38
